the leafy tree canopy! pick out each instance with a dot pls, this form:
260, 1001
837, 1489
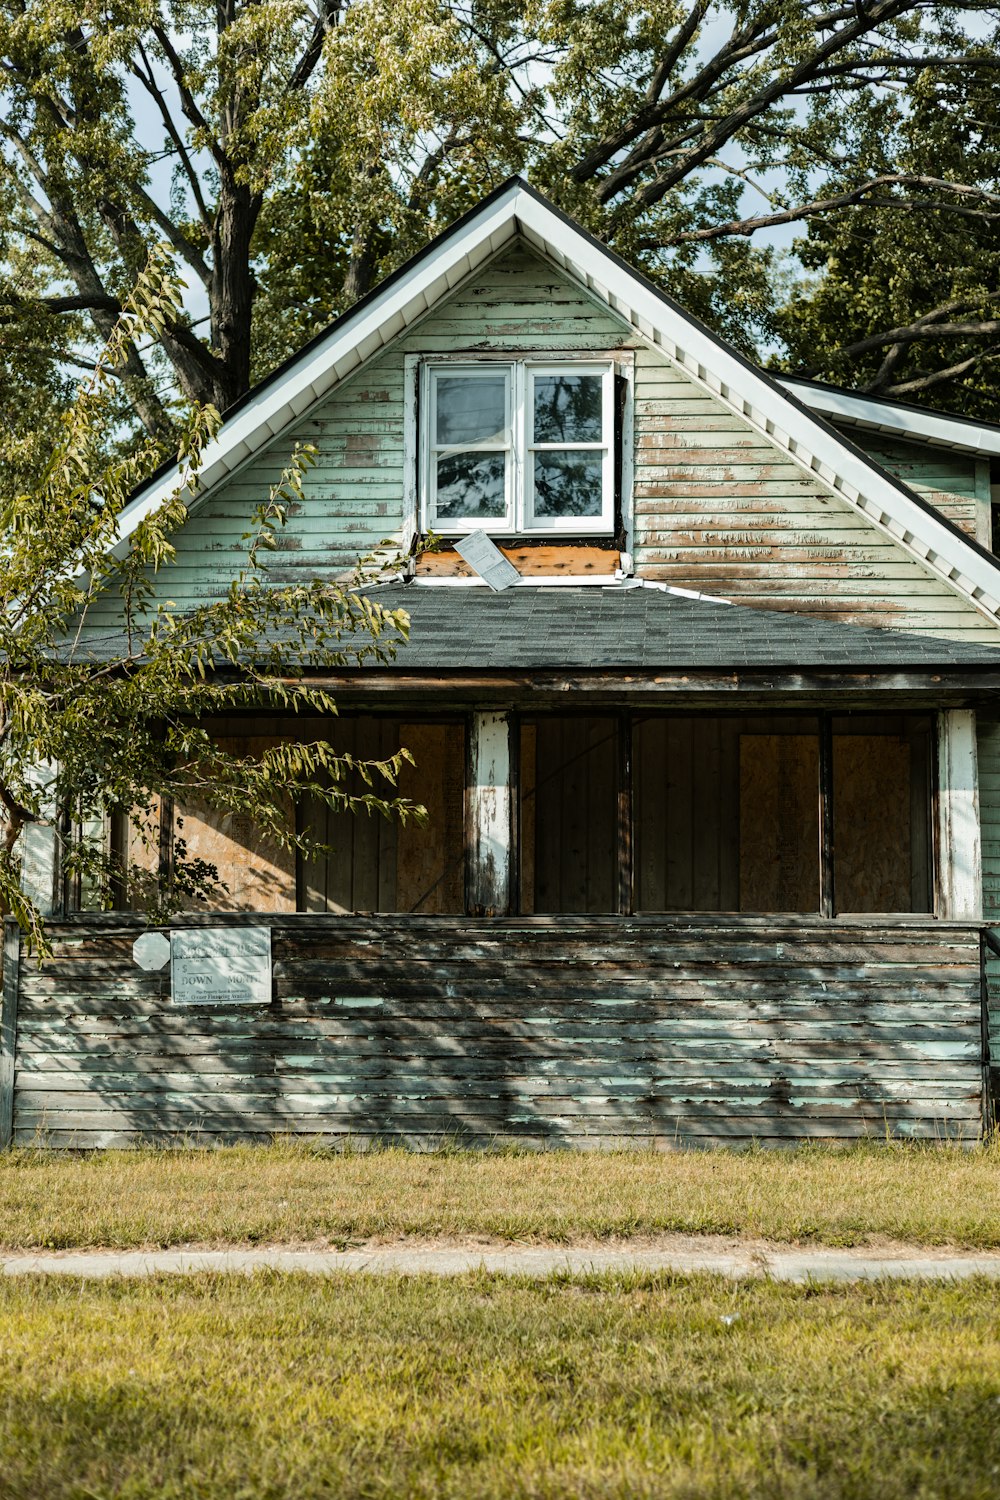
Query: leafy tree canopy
905, 296
291, 152
105, 722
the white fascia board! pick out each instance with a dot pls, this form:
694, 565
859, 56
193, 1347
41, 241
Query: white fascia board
310, 378
882, 416
810, 443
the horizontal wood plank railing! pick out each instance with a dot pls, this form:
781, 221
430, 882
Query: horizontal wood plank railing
547, 1031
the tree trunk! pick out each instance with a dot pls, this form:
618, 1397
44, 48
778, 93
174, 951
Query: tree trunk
233, 290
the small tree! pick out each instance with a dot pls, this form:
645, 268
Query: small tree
118, 716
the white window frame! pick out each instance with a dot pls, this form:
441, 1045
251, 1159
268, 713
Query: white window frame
431, 448
519, 518
606, 520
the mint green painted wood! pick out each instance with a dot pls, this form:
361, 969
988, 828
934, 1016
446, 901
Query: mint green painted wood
354, 492
594, 1031
988, 751
952, 482
717, 507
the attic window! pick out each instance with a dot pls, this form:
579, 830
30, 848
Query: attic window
518, 447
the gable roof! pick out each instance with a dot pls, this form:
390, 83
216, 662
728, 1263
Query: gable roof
514, 211
897, 418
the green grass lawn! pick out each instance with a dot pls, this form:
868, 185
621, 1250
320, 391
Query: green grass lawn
485, 1386
289, 1193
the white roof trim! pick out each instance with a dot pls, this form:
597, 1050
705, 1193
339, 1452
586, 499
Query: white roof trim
310, 378
978, 438
807, 440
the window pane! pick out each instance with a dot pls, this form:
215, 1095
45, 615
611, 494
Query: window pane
569, 817
471, 409
568, 408
568, 484
378, 864
881, 815
472, 484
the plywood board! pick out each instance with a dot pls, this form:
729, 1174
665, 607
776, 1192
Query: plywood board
687, 814
871, 823
259, 875
779, 822
430, 871
576, 808
379, 864
571, 560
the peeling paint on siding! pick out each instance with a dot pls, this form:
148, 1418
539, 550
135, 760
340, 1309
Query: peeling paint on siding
717, 508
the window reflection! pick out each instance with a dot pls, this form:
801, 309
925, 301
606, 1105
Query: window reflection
568, 408
568, 484
471, 409
472, 484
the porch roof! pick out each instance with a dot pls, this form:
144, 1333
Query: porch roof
636, 626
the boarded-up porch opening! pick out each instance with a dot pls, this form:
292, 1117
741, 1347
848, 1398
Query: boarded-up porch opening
569, 814
725, 813
613, 813
379, 864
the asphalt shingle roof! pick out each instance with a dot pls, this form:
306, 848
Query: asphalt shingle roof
644, 628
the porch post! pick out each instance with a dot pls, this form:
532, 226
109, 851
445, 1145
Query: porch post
959, 884
8, 1028
39, 850
490, 816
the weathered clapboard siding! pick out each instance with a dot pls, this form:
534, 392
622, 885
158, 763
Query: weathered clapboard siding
957, 484
988, 755
720, 510
574, 1031
716, 507
353, 495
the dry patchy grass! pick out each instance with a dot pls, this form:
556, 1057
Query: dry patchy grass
289, 1193
477, 1388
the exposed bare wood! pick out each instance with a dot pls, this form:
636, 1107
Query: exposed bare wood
573, 560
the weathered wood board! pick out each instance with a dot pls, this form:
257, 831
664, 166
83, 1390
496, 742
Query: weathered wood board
384, 864
575, 1032
956, 484
719, 509
988, 748
578, 561
716, 507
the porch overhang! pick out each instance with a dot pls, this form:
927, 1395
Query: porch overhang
639, 643
840, 691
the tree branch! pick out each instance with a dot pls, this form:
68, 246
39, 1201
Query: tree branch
194, 182
674, 53
854, 196
185, 247
188, 103
864, 19
927, 379
327, 16
920, 333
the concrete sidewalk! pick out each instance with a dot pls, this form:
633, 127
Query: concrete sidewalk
686, 1256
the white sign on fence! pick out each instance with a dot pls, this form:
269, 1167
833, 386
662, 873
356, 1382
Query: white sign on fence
221, 966
151, 951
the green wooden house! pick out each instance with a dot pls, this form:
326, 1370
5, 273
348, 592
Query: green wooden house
711, 749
